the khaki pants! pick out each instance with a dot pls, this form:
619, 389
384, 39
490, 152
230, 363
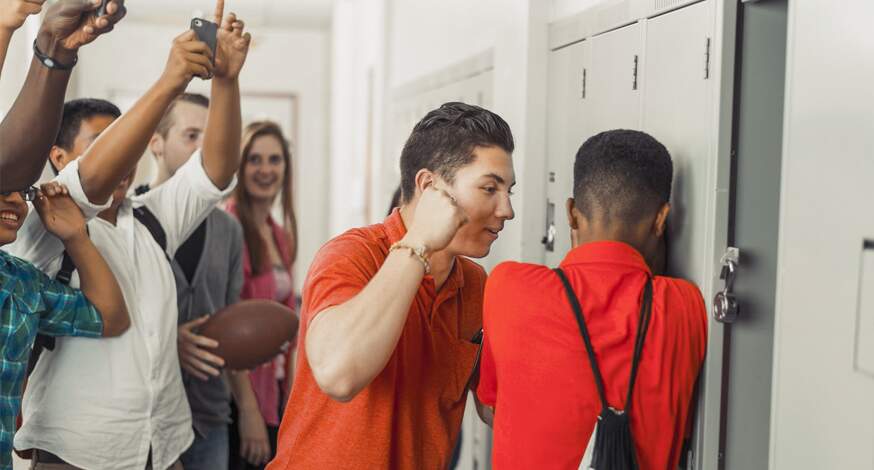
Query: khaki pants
36, 465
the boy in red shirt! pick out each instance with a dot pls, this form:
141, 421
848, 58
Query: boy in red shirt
535, 370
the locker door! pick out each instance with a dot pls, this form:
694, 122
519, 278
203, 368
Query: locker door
822, 412
678, 104
676, 108
564, 119
615, 80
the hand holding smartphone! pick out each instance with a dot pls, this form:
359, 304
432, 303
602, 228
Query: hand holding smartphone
206, 32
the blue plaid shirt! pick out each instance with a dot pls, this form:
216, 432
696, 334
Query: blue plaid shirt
31, 303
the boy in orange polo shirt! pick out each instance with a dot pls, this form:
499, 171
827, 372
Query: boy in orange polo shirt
390, 310
536, 372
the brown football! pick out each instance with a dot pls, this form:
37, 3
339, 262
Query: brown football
250, 332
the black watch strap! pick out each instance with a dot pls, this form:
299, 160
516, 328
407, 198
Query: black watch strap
50, 63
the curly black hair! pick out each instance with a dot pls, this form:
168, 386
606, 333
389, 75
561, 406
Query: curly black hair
622, 176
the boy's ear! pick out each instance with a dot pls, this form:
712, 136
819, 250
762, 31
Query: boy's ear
424, 179
570, 206
661, 219
156, 146
58, 158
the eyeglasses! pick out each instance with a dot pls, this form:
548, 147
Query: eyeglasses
29, 194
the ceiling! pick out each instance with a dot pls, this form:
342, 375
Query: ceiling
271, 13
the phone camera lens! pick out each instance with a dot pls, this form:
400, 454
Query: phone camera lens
198, 23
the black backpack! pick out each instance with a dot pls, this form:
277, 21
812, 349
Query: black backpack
145, 217
614, 445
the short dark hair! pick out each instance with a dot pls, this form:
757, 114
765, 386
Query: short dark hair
167, 121
76, 111
622, 176
444, 140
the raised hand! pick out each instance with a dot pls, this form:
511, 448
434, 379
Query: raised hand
189, 58
436, 221
232, 44
59, 213
74, 23
13, 13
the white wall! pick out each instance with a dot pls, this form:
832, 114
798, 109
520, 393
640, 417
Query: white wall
357, 103
281, 61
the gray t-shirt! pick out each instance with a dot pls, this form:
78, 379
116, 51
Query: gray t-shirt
216, 283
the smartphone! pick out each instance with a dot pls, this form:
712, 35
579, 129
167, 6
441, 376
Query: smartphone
101, 10
206, 31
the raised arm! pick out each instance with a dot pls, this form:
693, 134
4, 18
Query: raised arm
13, 13
118, 149
221, 144
347, 346
63, 218
36, 113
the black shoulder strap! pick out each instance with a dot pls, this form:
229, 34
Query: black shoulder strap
65, 275
147, 218
643, 326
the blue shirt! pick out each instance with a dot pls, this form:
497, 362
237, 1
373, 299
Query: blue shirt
31, 303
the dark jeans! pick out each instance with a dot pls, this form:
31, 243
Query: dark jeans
209, 451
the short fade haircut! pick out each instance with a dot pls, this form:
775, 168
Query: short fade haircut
168, 121
76, 111
444, 141
622, 176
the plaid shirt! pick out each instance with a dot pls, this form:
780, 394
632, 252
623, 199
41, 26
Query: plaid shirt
31, 303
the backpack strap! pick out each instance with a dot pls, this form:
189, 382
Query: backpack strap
147, 218
65, 275
643, 326
45, 342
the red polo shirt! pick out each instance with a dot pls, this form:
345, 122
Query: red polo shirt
536, 373
409, 417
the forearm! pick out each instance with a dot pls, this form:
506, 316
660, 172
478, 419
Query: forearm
99, 285
348, 345
241, 389
221, 144
28, 131
118, 150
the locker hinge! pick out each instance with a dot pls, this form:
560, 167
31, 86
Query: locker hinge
583, 92
634, 79
707, 59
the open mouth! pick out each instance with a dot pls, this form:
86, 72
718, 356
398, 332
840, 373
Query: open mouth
9, 218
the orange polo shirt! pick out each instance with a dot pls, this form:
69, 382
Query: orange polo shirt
409, 417
536, 373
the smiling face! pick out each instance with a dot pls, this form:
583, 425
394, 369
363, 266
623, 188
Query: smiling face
482, 189
13, 209
264, 169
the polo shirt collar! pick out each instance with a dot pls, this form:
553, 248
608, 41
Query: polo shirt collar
606, 252
394, 227
395, 230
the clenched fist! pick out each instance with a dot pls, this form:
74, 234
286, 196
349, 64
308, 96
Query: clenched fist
436, 221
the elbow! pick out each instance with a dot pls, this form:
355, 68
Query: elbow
332, 374
335, 384
117, 324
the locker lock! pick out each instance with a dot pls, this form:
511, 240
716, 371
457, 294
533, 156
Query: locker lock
725, 306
